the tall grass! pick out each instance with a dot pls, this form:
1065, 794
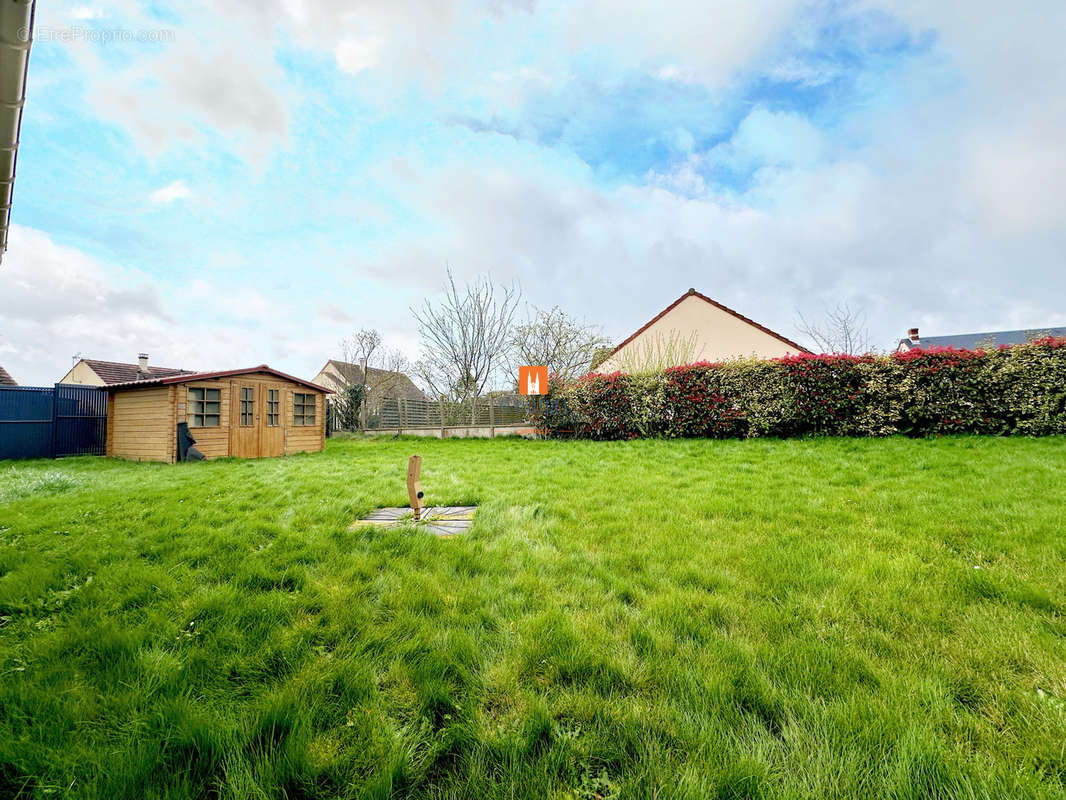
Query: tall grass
686, 619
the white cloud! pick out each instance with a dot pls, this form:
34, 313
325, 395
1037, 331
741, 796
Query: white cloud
86, 13
355, 55
334, 313
198, 81
56, 301
938, 204
769, 138
178, 190
705, 41
903, 238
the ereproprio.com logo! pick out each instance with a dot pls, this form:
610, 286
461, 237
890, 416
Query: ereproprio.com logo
532, 380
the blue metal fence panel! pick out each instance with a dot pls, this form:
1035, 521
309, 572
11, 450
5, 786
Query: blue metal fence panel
80, 421
46, 422
26, 422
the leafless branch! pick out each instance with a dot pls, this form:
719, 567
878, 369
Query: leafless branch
843, 330
359, 349
464, 336
553, 338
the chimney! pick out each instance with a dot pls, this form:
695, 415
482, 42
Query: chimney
142, 363
912, 334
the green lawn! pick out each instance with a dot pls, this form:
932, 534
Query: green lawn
685, 619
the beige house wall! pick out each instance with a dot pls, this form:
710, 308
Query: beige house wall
329, 377
715, 335
82, 374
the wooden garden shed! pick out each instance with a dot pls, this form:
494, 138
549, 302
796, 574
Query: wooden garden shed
246, 413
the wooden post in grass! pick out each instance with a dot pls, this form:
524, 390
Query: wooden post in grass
414, 484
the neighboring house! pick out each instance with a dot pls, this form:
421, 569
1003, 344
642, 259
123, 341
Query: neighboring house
6, 379
972, 341
245, 413
339, 375
92, 372
696, 328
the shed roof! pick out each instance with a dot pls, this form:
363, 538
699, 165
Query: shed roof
189, 377
6, 379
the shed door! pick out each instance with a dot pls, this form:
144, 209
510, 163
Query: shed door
271, 437
246, 414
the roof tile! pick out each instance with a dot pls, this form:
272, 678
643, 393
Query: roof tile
111, 372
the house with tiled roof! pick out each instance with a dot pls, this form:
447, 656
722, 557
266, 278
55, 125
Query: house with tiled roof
339, 375
696, 328
93, 372
6, 379
973, 341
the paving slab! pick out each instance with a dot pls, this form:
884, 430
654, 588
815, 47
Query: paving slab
439, 520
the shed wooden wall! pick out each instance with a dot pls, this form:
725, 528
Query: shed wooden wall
141, 424
306, 438
212, 442
216, 442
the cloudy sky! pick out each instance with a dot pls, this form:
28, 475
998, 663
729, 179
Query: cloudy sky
226, 184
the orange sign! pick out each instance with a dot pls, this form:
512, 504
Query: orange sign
532, 380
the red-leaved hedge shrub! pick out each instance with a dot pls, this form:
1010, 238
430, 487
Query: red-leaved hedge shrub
695, 404
1020, 389
608, 404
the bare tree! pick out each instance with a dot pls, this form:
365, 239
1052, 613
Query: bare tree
386, 374
359, 348
374, 371
355, 351
465, 336
843, 330
555, 339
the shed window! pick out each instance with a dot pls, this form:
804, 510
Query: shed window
247, 406
303, 409
273, 407
204, 405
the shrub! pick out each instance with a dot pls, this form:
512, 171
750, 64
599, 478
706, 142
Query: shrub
1010, 390
606, 403
1033, 386
951, 391
694, 404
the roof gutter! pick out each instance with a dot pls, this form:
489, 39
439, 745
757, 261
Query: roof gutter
16, 36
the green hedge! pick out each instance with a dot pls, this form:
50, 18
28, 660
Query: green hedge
1011, 390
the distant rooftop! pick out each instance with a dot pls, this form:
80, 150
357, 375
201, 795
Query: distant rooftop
111, 372
972, 341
